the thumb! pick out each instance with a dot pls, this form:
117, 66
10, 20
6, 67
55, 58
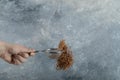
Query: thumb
31, 52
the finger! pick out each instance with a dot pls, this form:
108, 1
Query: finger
24, 55
15, 59
27, 50
31, 54
21, 59
17, 62
27, 53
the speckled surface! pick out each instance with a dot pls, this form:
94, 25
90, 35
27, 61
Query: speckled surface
90, 27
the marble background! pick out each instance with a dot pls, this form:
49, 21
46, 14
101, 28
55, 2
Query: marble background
90, 27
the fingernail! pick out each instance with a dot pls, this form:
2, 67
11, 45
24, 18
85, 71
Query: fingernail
32, 54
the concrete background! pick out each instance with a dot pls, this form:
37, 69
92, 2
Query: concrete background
90, 27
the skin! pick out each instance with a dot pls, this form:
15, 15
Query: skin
14, 53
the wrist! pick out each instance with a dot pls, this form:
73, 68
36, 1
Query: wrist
2, 47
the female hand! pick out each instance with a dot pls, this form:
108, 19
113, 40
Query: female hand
15, 53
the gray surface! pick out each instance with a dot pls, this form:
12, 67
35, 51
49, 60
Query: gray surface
90, 27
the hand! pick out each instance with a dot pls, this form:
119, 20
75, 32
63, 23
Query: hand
15, 53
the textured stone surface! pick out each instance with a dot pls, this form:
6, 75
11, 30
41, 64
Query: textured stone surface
91, 28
